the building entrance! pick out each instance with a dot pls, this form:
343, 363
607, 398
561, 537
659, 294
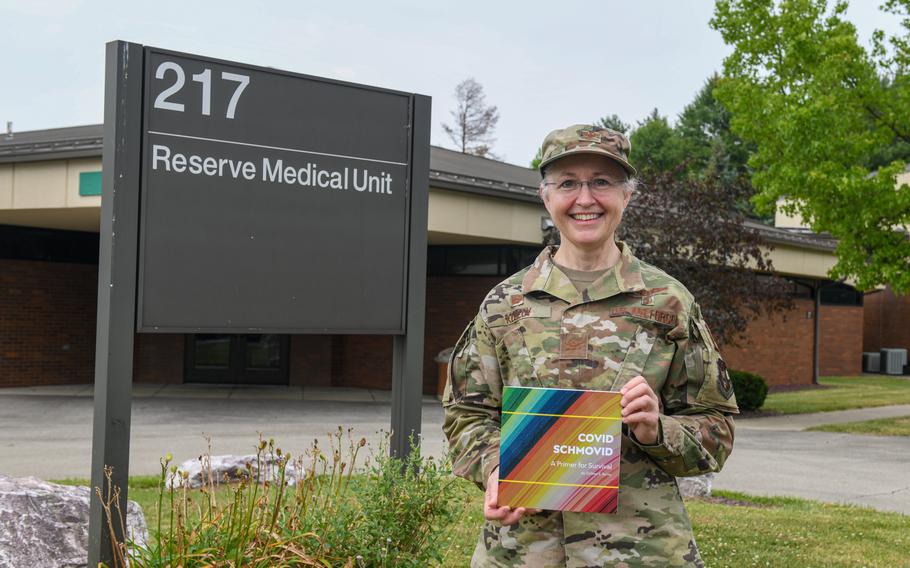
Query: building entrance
260, 359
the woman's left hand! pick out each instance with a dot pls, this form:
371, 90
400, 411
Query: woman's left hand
641, 410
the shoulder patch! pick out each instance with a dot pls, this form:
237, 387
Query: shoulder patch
724, 384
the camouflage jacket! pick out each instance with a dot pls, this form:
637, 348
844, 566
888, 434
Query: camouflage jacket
536, 329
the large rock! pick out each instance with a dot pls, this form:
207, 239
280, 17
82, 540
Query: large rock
230, 468
45, 525
697, 486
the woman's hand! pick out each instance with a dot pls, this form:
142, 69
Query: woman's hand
641, 410
491, 509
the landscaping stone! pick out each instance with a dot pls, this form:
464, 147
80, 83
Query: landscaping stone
46, 525
229, 469
697, 486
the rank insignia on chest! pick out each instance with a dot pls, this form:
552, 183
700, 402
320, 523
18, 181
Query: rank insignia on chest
647, 296
574, 345
516, 300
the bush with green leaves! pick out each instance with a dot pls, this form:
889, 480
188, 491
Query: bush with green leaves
393, 512
750, 389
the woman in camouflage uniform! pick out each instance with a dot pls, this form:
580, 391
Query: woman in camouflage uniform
589, 315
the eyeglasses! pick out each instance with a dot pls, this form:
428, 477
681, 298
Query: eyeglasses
597, 185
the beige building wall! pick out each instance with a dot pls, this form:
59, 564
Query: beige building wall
46, 185
46, 194
794, 261
466, 218
786, 221
6, 186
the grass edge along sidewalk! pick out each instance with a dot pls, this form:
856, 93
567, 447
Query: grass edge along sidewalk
897, 426
732, 529
841, 393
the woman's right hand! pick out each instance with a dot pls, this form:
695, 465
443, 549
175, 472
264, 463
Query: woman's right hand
491, 509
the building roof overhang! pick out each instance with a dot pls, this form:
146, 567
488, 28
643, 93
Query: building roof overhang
448, 169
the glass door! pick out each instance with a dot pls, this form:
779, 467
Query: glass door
238, 359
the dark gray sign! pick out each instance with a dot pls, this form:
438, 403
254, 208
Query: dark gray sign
271, 201
237, 198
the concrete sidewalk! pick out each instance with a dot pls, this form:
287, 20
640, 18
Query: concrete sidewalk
50, 436
803, 421
225, 392
774, 456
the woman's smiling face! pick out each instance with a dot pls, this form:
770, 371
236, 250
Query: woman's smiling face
587, 217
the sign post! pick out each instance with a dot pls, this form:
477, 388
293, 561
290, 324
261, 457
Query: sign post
407, 357
116, 285
242, 199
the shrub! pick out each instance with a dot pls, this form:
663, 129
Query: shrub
392, 514
750, 390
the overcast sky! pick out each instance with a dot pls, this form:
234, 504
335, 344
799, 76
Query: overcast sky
544, 64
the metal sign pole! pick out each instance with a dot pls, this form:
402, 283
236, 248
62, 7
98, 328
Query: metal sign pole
407, 357
116, 285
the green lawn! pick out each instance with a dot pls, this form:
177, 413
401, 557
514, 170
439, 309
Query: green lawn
899, 426
798, 533
842, 393
781, 532
765, 531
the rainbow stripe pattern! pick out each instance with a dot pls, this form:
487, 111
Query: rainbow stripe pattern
560, 449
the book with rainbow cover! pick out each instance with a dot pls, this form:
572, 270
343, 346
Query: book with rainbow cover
560, 449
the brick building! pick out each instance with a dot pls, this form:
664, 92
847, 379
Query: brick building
484, 223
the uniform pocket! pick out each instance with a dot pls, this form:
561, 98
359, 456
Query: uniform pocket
529, 358
515, 365
457, 368
633, 364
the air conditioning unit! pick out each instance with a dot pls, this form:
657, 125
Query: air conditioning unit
872, 362
893, 361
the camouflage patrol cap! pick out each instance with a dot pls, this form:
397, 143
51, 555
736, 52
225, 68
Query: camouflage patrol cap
586, 139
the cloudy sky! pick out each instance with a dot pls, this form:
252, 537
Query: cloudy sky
544, 64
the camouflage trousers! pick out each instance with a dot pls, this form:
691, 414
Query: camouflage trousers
582, 540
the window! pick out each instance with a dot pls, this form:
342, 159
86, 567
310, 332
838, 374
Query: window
29, 243
837, 294
479, 260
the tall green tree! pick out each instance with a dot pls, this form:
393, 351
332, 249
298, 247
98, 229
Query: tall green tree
820, 108
707, 141
656, 147
613, 122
